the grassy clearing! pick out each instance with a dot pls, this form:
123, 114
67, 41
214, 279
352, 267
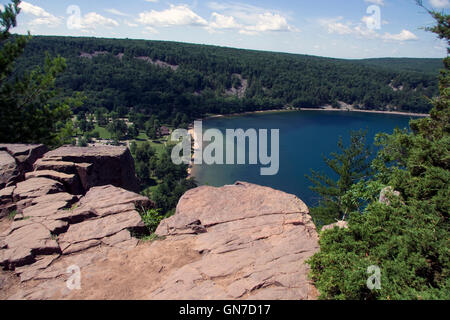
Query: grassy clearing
103, 133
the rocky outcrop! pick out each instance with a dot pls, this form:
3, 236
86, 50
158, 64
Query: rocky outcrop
339, 224
387, 194
254, 242
94, 166
52, 221
16, 160
52, 225
236, 242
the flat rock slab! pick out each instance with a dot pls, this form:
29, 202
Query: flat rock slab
109, 199
24, 149
255, 242
51, 225
211, 206
236, 242
37, 187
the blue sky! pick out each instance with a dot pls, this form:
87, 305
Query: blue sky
332, 28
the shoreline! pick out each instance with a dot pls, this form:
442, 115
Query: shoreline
399, 113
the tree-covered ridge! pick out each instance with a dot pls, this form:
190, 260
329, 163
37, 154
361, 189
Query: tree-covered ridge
421, 65
166, 78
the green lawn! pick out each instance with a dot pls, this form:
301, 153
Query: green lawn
104, 134
157, 144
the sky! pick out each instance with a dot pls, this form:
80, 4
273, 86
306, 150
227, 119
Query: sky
350, 29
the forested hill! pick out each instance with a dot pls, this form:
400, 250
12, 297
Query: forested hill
430, 66
176, 80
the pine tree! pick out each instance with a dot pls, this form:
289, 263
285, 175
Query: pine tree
28, 111
351, 165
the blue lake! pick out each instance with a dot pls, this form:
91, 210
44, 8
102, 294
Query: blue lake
305, 138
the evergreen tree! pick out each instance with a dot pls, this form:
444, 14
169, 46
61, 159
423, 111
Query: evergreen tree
28, 112
351, 165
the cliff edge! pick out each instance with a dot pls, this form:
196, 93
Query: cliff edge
75, 215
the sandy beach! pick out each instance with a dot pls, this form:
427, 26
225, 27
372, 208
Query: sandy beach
326, 108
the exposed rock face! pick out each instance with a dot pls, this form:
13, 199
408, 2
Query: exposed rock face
16, 160
255, 242
387, 193
8, 169
95, 166
52, 226
237, 242
339, 224
52, 222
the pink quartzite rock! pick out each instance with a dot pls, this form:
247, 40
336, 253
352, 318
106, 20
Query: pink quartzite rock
20, 161
255, 242
96, 166
71, 182
52, 225
9, 172
36, 187
339, 224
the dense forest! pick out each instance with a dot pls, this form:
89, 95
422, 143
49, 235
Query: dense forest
176, 80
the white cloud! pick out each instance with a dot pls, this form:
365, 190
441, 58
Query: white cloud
117, 12
180, 15
404, 35
131, 24
270, 22
223, 22
150, 30
336, 26
92, 20
440, 4
247, 19
378, 2
43, 17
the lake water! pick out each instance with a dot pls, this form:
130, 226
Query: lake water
305, 137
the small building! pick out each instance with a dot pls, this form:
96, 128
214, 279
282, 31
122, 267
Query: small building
164, 131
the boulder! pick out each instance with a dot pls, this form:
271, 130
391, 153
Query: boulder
23, 155
254, 240
339, 224
96, 166
9, 172
387, 193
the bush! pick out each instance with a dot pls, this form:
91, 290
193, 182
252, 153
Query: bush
152, 218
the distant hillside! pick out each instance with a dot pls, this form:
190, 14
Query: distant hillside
177, 80
432, 66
